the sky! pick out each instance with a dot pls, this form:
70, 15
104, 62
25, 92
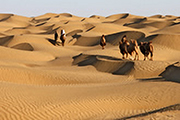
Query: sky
87, 8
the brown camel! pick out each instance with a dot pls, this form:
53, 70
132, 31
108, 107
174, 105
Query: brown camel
103, 41
146, 48
123, 48
63, 37
133, 47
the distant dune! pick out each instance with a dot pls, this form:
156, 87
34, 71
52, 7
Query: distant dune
40, 79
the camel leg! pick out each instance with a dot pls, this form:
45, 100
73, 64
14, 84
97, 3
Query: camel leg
151, 52
131, 57
102, 47
148, 57
62, 43
126, 55
123, 56
145, 58
136, 55
151, 56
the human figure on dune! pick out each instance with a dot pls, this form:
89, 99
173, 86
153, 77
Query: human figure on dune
103, 41
55, 36
63, 37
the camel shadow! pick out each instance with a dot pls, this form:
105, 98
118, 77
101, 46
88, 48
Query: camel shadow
160, 110
157, 79
154, 79
53, 42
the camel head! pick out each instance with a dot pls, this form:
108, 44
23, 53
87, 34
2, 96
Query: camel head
124, 38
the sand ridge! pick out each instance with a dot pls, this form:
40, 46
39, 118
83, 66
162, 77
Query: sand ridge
40, 79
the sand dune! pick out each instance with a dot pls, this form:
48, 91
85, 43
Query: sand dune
4, 17
42, 80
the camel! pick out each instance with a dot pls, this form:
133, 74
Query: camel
133, 47
129, 48
103, 41
63, 37
146, 48
123, 48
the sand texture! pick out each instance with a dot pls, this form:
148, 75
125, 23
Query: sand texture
42, 80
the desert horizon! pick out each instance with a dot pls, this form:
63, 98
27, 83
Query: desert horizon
42, 79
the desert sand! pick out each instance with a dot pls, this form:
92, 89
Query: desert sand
42, 80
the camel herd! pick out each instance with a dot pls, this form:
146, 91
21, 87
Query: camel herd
126, 47
129, 47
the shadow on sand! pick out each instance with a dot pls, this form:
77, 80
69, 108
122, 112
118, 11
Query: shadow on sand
164, 109
53, 42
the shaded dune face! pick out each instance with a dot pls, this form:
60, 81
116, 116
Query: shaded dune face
4, 17
40, 79
104, 63
5, 40
172, 73
112, 38
115, 38
117, 66
23, 46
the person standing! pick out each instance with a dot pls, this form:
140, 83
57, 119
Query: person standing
55, 36
63, 37
103, 41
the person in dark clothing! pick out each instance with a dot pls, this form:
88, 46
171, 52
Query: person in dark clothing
55, 36
103, 41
